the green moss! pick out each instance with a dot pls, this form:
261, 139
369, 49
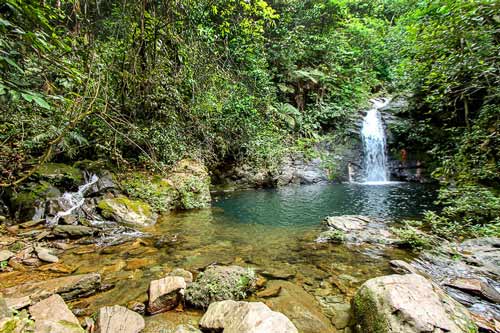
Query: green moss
155, 190
60, 174
107, 206
366, 314
219, 283
333, 236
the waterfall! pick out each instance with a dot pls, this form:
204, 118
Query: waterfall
72, 200
374, 145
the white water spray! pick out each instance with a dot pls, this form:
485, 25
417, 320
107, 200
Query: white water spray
73, 200
374, 145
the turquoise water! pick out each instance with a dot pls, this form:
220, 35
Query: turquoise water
306, 206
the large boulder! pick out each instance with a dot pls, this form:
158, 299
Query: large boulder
165, 294
357, 229
114, 319
244, 317
60, 174
52, 315
127, 211
408, 304
190, 178
72, 231
69, 287
302, 308
219, 283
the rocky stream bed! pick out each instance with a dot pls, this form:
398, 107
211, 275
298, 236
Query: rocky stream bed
117, 263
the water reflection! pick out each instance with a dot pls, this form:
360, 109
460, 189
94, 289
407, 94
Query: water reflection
305, 206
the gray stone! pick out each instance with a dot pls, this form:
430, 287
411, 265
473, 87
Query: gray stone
407, 304
361, 229
52, 315
114, 319
127, 211
72, 231
245, 317
187, 275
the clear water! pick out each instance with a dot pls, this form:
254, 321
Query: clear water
306, 206
374, 144
273, 230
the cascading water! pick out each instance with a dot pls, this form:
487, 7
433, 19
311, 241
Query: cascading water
72, 200
374, 145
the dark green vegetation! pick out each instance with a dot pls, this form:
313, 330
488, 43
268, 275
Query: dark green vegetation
144, 84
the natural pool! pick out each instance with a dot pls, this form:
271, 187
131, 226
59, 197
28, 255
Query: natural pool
270, 230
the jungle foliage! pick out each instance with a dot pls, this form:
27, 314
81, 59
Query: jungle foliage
147, 83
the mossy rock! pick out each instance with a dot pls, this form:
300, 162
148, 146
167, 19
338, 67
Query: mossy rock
24, 202
192, 181
127, 211
60, 174
155, 190
219, 283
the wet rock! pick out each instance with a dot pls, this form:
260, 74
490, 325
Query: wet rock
165, 294
476, 286
53, 315
469, 273
361, 229
302, 308
186, 329
218, 283
244, 317
105, 184
127, 211
69, 219
279, 274
5, 255
269, 292
113, 319
297, 170
138, 263
137, 307
69, 287
60, 174
17, 303
45, 255
407, 304
73, 231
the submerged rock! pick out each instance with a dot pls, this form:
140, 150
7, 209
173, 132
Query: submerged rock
45, 255
357, 229
300, 307
53, 315
186, 329
245, 317
114, 319
218, 283
127, 211
408, 304
165, 294
69, 287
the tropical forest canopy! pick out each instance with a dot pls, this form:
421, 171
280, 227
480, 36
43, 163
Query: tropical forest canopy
147, 83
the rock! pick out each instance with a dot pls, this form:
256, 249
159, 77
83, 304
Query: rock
269, 292
245, 317
17, 303
53, 315
358, 229
407, 304
300, 307
187, 275
297, 170
476, 286
73, 231
190, 178
114, 319
31, 199
218, 283
5, 312
69, 287
186, 329
165, 294
69, 219
5, 255
402, 267
105, 184
127, 211
137, 307
279, 274
341, 315
60, 174
45, 255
